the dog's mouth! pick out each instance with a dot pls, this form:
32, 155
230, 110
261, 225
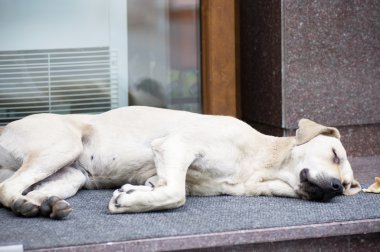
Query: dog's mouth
321, 189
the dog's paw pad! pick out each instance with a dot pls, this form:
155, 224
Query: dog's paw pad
55, 208
130, 191
117, 192
24, 208
118, 202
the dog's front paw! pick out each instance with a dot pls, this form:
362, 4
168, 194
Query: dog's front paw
123, 199
116, 204
55, 208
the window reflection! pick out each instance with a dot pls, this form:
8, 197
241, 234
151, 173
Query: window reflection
163, 54
89, 56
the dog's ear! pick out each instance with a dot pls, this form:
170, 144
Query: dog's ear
308, 129
353, 188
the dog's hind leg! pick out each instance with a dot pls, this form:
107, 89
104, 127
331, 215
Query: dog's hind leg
172, 158
37, 166
34, 169
48, 195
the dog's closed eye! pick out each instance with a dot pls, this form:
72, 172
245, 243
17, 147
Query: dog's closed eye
336, 159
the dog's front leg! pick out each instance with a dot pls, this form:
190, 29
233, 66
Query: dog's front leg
269, 188
172, 158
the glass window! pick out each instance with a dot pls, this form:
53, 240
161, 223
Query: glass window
88, 56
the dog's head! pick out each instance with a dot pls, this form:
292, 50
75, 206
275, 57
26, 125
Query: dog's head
322, 165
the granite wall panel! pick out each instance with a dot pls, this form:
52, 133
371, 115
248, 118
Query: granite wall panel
331, 61
316, 59
260, 56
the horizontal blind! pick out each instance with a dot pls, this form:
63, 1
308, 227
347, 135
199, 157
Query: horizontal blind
80, 80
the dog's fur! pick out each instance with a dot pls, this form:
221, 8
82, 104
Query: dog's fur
158, 156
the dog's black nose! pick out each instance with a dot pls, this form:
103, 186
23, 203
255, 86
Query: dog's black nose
322, 188
336, 186
333, 190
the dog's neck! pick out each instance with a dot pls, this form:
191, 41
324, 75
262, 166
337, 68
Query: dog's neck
281, 162
280, 149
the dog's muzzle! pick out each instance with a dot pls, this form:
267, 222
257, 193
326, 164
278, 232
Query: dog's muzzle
320, 189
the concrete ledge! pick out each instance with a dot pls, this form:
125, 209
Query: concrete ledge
235, 238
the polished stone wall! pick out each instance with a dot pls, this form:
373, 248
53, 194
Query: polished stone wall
314, 59
260, 53
331, 61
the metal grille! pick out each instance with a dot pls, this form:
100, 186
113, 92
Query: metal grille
60, 81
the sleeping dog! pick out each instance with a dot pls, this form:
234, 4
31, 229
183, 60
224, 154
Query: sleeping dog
158, 156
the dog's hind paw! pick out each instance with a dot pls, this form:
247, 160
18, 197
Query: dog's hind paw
55, 208
22, 207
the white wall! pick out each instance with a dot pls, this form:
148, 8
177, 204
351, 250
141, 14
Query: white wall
52, 24
65, 24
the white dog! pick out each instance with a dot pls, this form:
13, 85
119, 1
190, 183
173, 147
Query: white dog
158, 156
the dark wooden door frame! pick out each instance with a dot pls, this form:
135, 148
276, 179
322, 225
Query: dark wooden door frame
219, 55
